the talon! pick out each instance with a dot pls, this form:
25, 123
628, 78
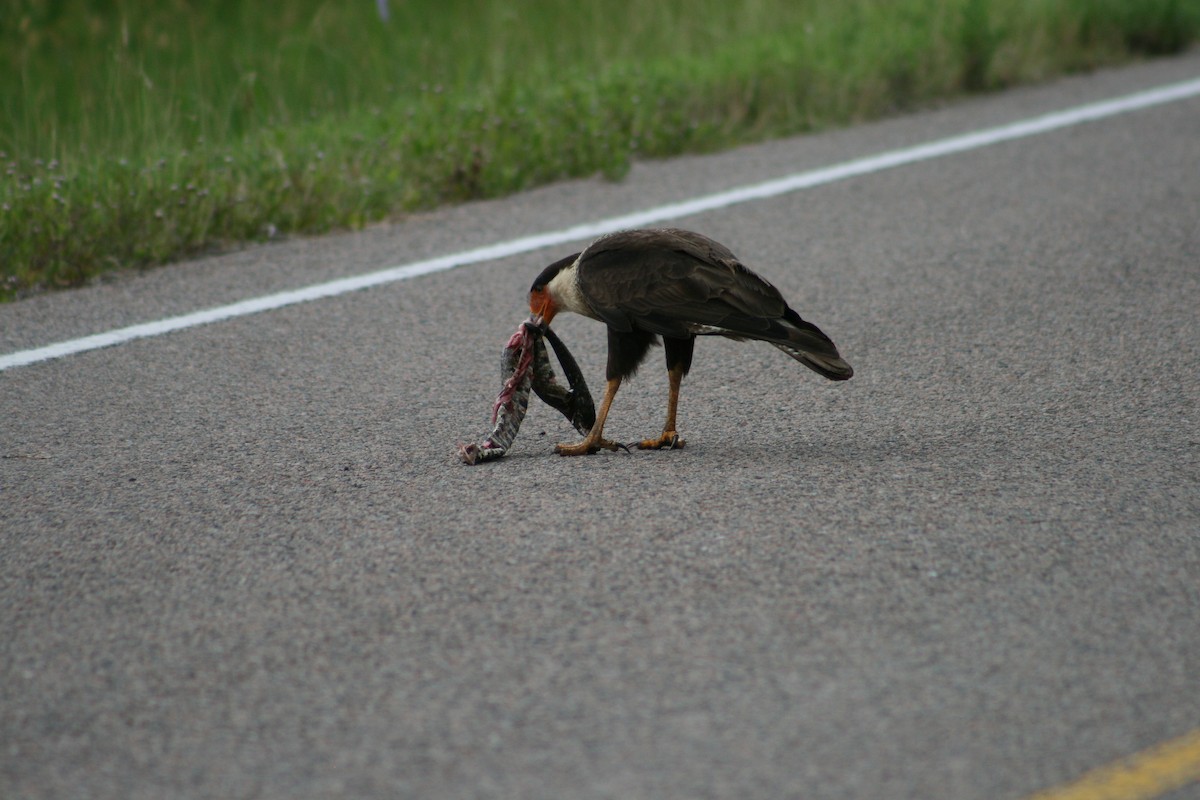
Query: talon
669, 440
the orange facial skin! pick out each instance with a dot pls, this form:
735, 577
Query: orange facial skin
541, 305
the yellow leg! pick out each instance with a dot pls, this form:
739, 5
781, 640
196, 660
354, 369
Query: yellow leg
594, 440
669, 439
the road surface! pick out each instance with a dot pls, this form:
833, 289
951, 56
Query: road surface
241, 560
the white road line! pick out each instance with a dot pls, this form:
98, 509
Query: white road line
791, 183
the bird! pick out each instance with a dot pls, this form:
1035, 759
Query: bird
675, 284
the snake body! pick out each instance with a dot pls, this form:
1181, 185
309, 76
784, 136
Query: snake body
525, 366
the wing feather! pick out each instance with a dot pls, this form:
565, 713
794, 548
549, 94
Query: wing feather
675, 280
672, 282
679, 283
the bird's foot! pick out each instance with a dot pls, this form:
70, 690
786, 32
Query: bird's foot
669, 440
586, 447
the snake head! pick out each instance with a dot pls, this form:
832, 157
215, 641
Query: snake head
537, 324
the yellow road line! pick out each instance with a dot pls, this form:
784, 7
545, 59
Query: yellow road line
1142, 776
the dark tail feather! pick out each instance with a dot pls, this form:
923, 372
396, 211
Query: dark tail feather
809, 345
833, 368
800, 339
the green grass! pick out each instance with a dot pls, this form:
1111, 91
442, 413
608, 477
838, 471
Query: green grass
133, 133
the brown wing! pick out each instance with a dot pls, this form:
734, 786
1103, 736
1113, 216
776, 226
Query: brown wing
680, 283
677, 283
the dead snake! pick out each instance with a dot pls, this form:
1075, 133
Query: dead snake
525, 365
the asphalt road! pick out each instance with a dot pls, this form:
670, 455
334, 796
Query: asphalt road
242, 560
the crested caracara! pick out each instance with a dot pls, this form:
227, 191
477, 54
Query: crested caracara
676, 284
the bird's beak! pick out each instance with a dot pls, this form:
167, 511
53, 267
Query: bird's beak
541, 308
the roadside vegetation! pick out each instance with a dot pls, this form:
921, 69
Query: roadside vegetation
134, 132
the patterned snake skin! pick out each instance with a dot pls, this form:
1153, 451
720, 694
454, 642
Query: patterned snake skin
525, 365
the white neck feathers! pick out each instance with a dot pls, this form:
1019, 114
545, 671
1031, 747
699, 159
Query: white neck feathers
564, 288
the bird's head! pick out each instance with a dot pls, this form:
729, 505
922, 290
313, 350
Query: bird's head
541, 305
544, 302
